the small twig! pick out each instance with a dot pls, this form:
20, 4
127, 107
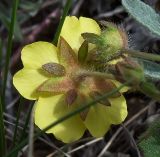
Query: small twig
10, 105
85, 145
80, 147
71, 144
77, 7
54, 146
111, 13
40, 138
48, 3
9, 117
132, 140
109, 143
13, 124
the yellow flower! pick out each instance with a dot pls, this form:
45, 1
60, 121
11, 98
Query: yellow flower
51, 76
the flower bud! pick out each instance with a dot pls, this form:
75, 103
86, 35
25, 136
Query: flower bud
108, 44
114, 38
129, 69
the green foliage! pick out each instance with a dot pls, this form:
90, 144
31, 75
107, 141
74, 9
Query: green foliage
143, 14
5, 19
151, 69
150, 141
65, 13
26, 10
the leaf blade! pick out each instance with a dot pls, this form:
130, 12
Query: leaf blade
144, 14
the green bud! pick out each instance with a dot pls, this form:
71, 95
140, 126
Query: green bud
129, 69
108, 44
114, 38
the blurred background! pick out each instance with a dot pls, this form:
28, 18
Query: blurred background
38, 20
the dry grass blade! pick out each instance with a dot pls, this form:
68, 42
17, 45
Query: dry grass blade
31, 134
132, 140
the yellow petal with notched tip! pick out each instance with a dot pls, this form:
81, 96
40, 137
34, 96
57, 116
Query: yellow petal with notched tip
26, 82
74, 27
38, 53
97, 121
50, 109
100, 117
118, 110
122, 90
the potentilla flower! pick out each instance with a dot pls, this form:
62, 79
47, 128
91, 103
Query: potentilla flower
61, 82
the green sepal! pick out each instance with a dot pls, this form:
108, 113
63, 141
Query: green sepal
83, 52
92, 38
54, 69
71, 96
67, 56
56, 85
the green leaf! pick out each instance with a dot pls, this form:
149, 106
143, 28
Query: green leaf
144, 14
65, 12
9, 47
17, 32
150, 141
151, 69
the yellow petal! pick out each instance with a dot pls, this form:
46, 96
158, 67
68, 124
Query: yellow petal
100, 117
118, 110
97, 121
26, 81
124, 89
74, 27
36, 54
50, 109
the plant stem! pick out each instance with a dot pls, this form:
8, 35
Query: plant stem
1, 47
9, 49
23, 133
2, 132
97, 74
144, 55
65, 12
26, 123
67, 116
17, 120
